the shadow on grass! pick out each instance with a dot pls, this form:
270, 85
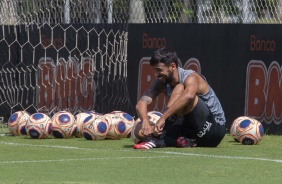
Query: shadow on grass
128, 146
235, 142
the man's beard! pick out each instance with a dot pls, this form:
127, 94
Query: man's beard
165, 79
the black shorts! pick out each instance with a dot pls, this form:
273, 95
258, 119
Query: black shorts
199, 124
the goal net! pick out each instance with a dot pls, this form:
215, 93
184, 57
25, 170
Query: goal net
63, 55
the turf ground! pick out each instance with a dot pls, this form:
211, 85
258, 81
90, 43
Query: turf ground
76, 160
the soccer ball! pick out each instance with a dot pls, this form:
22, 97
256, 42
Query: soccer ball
120, 123
64, 125
95, 128
79, 119
129, 121
250, 131
39, 126
17, 122
154, 116
233, 128
133, 136
94, 113
260, 129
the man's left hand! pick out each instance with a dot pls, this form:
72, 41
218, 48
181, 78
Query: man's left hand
159, 127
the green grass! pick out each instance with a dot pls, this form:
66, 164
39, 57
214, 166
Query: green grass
76, 160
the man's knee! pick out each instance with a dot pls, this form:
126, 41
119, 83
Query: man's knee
176, 92
178, 89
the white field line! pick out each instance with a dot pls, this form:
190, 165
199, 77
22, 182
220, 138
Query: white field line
223, 157
83, 159
178, 154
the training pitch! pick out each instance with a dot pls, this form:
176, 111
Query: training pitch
77, 160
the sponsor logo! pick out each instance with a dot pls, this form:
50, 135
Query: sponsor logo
264, 92
152, 42
261, 45
193, 64
206, 127
65, 85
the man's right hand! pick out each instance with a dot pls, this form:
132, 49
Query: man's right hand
147, 128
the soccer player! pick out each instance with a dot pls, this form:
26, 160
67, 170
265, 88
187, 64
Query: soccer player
191, 101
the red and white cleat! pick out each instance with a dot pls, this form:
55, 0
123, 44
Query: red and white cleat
145, 145
185, 142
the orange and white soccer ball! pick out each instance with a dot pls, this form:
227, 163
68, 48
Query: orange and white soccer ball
39, 126
95, 128
79, 119
121, 124
154, 116
94, 113
234, 125
64, 125
249, 131
17, 123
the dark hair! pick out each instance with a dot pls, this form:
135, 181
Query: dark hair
164, 55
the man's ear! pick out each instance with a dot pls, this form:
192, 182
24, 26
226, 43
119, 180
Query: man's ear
173, 65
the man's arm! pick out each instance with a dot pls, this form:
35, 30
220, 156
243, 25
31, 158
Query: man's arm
184, 102
186, 99
144, 102
141, 107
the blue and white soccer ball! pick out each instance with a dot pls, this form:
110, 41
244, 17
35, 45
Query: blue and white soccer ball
120, 123
64, 125
249, 131
95, 128
39, 126
234, 125
79, 119
17, 123
154, 116
94, 113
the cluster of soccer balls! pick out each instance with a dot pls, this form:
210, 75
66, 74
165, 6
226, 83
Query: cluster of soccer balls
246, 130
63, 124
114, 125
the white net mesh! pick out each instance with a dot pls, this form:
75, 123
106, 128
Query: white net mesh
140, 11
206, 11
